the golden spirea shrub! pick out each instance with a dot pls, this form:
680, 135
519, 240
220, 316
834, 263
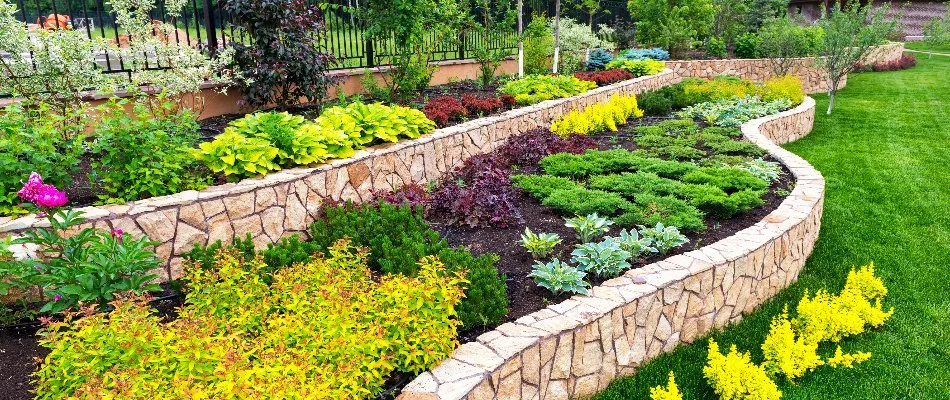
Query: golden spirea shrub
318, 330
599, 117
734, 376
670, 392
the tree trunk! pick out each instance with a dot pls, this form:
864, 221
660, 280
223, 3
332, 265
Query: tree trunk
520, 39
557, 34
831, 102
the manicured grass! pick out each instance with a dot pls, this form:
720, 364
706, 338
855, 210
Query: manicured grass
921, 46
884, 154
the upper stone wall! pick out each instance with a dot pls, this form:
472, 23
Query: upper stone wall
575, 348
760, 70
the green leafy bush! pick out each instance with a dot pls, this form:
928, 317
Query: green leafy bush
655, 103
559, 277
538, 46
581, 201
634, 184
145, 153
728, 179
716, 47
534, 89
651, 209
29, 143
767, 171
399, 236
541, 186
747, 46
322, 328
283, 131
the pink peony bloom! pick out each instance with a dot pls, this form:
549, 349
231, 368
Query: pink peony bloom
31, 188
50, 197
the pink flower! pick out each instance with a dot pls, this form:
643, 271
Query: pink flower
57, 297
31, 188
50, 197
41, 214
117, 233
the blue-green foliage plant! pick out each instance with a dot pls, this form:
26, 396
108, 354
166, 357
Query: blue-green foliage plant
655, 53
598, 60
631, 242
589, 227
664, 237
539, 245
559, 277
605, 259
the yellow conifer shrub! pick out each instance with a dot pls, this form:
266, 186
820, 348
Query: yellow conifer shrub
599, 117
827, 317
787, 353
670, 392
734, 377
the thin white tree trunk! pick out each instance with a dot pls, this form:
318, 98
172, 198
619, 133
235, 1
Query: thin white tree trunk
520, 39
557, 34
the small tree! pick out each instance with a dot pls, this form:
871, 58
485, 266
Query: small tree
851, 32
286, 60
782, 40
937, 31
672, 24
496, 23
418, 27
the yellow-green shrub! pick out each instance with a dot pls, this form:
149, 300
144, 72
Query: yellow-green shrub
787, 353
847, 360
734, 377
319, 330
827, 317
638, 67
598, 117
670, 392
783, 87
719, 88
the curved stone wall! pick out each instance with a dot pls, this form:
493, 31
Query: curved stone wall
285, 202
575, 348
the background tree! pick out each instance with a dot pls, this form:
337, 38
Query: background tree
672, 24
851, 32
781, 40
419, 27
493, 21
937, 31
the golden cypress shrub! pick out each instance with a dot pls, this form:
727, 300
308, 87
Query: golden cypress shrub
734, 377
670, 392
599, 117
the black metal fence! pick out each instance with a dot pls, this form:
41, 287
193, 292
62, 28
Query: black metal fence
204, 24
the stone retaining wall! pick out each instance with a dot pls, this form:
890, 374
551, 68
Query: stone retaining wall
575, 348
285, 202
761, 69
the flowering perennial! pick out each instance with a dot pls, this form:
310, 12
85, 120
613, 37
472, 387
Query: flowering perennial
41, 194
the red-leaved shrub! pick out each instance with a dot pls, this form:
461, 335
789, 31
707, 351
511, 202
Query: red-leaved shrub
411, 194
481, 105
527, 149
444, 109
904, 62
477, 193
507, 100
602, 78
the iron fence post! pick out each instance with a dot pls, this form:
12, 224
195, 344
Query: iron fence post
210, 29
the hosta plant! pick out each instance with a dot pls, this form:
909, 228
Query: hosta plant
237, 156
589, 227
638, 67
537, 88
559, 277
631, 241
664, 237
765, 170
604, 259
376, 122
539, 245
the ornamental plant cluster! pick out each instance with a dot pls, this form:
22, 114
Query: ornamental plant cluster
445, 109
604, 78
534, 89
693, 91
317, 329
89, 267
598, 117
637, 68
790, 348
398, 236
603, 259
649, 186
269, 141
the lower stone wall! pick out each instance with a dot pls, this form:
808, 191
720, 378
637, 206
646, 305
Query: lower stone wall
283, 203
575, 348
761, 69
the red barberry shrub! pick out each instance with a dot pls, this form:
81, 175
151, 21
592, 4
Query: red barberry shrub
602, 78
904, 62
444, 109
507, 100
481, 106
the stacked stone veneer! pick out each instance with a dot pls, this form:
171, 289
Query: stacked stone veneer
759, 70
285, 202
575, 348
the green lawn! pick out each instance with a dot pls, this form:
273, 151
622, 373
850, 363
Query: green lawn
885, 154
921, 46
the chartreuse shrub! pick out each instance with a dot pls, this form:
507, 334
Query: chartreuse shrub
638, 67
537, 88
784, 87
321, 329
734, 376
670, 392
268, 141
598, 117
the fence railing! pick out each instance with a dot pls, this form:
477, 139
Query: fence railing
206, 25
